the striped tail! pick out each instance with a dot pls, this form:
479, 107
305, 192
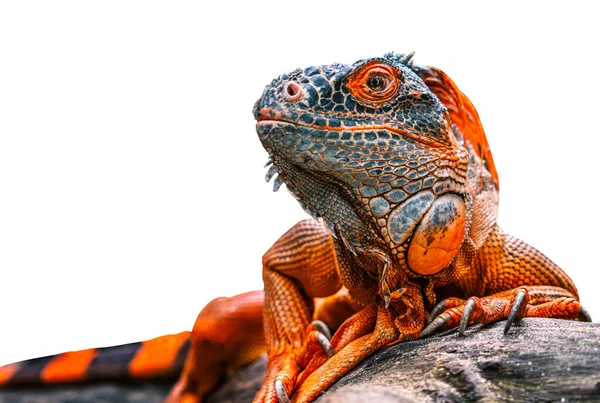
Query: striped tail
161, 358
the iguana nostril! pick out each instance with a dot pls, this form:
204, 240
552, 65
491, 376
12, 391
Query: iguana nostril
292, 92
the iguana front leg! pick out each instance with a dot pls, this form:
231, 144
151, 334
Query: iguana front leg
515, 280
299, 267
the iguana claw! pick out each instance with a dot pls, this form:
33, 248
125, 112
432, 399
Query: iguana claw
282, 396
322, 328
435, 325
517, 307
466, 316
325, 345
584, 315
439, 308
444, 306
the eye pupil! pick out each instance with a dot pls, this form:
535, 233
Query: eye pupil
376, 82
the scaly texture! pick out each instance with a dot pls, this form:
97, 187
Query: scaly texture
392, 163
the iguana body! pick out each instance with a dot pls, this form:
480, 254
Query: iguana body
393, 165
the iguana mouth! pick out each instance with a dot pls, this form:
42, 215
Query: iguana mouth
271, 116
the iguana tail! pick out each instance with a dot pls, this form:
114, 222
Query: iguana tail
159, 358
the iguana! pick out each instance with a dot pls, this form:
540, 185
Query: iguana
391, 162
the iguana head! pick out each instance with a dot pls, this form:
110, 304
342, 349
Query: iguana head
369, 148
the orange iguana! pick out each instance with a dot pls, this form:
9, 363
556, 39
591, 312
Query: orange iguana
393, 165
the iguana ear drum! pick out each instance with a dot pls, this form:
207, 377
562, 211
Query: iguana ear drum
438, 236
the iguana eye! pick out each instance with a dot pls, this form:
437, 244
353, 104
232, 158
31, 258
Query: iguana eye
377, 83
374, 83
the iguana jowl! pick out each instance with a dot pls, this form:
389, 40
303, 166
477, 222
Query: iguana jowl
392, 163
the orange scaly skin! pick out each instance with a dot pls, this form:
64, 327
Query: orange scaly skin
392, 163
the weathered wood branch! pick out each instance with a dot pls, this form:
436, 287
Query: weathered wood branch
539, 360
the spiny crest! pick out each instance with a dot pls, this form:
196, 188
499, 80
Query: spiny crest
402, 58
272, 173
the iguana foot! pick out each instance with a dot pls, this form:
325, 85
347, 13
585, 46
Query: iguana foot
527, 301
358, 325
283, 369
351, 346
287, 382
364, 333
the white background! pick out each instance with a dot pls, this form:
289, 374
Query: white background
131, 179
